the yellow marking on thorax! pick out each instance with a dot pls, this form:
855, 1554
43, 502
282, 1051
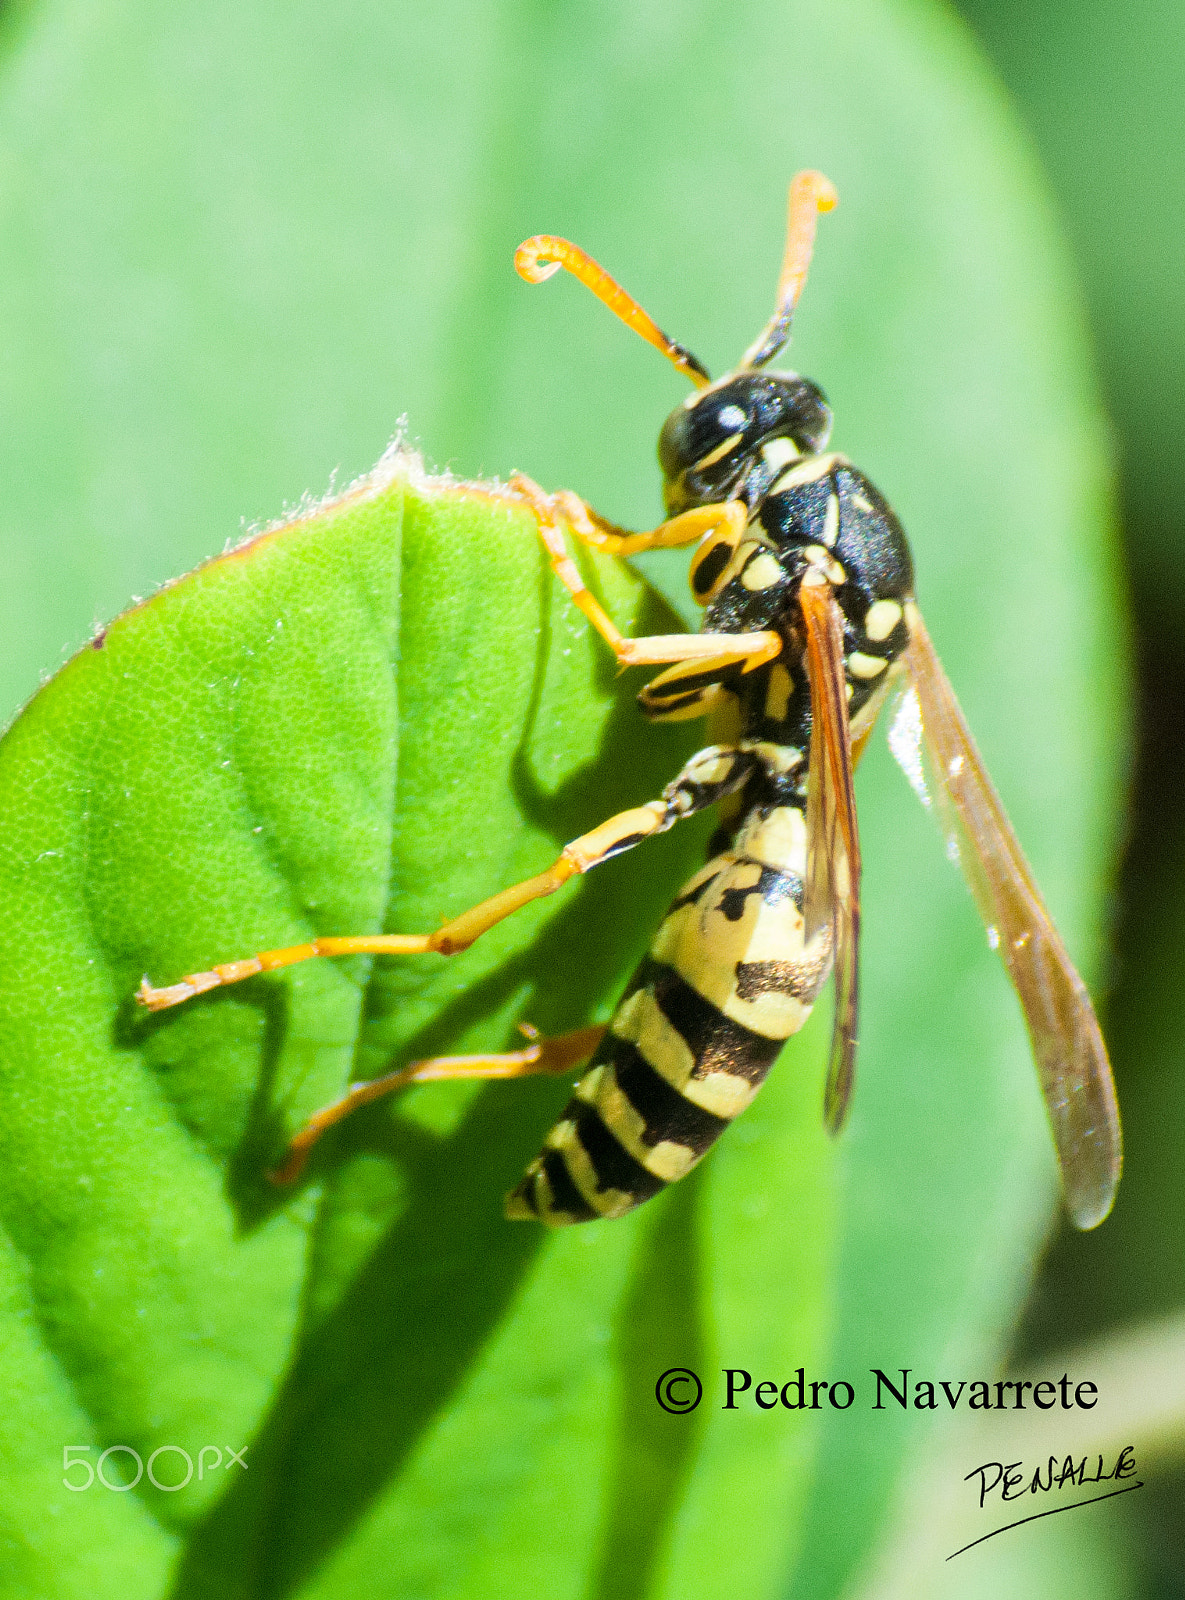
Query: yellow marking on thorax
808, 470
882, 617
777, 693
871, 708
862, 666
831, 521
762, 572
818, 555
724, 718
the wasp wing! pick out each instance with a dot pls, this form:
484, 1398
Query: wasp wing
832, 890
1067, 1044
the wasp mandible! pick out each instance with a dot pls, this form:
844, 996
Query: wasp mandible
806, 581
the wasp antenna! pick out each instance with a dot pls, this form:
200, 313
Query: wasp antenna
810, 193
539, 257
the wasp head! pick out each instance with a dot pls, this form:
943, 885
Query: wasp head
730, 441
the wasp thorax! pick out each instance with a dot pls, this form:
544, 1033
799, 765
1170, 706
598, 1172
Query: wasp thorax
710, 448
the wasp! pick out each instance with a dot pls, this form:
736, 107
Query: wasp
806, 582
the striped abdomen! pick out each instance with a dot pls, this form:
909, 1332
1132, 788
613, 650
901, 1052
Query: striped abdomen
726, 981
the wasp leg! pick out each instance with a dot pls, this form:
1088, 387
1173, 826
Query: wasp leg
619, 833
553, 512
709, 776
553, 1057
593, 529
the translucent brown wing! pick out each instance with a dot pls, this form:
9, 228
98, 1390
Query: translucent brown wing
1067, 1044
832, 889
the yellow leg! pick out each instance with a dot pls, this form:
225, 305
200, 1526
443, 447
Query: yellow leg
593, 529
553, 1057
754, 649
620, 833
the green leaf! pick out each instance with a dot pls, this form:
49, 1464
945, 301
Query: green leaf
235, 246
334, 729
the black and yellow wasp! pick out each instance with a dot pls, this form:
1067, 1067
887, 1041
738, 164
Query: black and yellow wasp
807, 584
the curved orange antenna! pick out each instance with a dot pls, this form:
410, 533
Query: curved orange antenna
810, 193
542, 255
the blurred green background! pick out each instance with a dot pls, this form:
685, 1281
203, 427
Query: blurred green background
1100, 89
238, 242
